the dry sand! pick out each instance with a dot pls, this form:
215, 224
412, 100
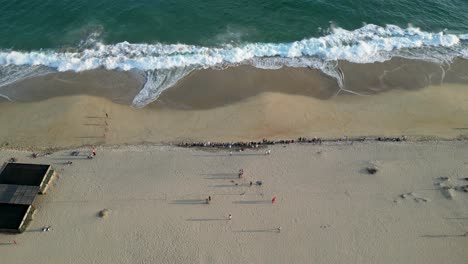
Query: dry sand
328, 208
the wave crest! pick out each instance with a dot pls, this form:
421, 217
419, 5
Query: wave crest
167, 63
368, 44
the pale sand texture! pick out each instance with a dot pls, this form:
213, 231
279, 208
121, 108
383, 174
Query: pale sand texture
437, 111
329, 210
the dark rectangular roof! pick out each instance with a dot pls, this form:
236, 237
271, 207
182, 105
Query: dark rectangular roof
23, 174
12, 215
18, 194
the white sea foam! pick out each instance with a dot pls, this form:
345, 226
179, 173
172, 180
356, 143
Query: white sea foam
365, 45
368, 44
13, 73
156, 83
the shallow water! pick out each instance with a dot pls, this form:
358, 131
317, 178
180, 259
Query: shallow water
167, 40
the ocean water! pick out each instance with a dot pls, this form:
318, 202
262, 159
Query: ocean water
167, 39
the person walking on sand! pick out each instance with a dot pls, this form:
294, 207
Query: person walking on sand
230, 217
273, 200
94, 152
279, 229
241, 172
268, 152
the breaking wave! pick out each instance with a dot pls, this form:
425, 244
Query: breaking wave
165, 64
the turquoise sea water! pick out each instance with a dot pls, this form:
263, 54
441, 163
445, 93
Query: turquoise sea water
167, 39
31, 24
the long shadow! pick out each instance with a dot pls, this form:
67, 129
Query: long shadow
6, 243
228, 194
206, 219
457, 218
222, 177
226, 185
253, 202
72, 158
91, 137
227, 154
69, 154
193, 201
220, 174
63, 163
99, 125
34, 230
442, 236
270, 230
210, 155
95, 117
248, 154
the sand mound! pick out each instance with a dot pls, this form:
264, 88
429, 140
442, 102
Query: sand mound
104, 213
448, 192
371, 168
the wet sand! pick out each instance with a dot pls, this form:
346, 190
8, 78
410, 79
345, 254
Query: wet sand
238, 104
434, 112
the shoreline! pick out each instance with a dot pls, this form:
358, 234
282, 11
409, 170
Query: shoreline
241, 82
238, 104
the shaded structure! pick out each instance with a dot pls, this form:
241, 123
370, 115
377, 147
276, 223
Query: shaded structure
19, 186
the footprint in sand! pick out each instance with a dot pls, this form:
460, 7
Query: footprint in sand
419, 200
448, 188
412, 196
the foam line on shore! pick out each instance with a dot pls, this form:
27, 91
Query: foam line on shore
166, 64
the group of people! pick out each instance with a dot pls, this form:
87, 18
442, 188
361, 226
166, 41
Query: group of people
257, 144
240, 145
241, 174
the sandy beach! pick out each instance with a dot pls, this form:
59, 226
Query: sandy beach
237, 104
329, 208
292, 131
